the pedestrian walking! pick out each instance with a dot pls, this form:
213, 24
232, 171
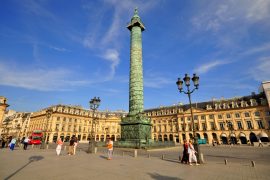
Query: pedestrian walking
4, 141
12, 144
185, 158
110, 148
71, 146
192, 155
25, 143
260, 143
59, 146
75, 145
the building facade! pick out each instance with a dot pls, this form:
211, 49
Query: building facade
238, 121
67, 121
241, 120
3, 107
15, 124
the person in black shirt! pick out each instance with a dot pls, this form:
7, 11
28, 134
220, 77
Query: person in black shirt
71, 146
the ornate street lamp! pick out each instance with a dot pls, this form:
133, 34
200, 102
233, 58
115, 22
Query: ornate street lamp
94, 104
179, 84
45, 135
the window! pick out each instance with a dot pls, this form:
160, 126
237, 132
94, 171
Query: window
249, 125
239, 124
195, 117
196, 126
203, 117
257, 113
211, 116
267, 113
212, 125
219, 116
221, 125
260, 124
58, 118
247, 114
204, 126
237, 115
188, 118
189, 127
228, 116
230, 125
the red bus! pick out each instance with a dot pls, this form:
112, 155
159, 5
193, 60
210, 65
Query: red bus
36, 137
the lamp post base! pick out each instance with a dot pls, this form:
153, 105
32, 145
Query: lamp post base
198, 150
91, 147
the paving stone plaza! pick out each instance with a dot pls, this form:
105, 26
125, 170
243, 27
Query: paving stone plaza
44, 164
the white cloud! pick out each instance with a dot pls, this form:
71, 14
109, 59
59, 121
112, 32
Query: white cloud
110, 40
58, 49
38, 78
112, 56
261, 71
257, 49
217, 15
156, 80
204, 68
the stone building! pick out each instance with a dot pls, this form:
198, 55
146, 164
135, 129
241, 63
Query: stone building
239, 120
3, 107
66, 121
15, 124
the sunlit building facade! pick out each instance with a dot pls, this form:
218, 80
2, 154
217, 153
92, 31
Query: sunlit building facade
238, 121
67, 121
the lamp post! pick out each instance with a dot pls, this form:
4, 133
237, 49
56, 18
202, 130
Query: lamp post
94, 104
179, 84
45, 136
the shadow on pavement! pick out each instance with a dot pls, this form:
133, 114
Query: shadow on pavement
104, 157
161, 177
31, 159
172, 160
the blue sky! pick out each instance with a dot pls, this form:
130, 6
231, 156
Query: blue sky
67, 52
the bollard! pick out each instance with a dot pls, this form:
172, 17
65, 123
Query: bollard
135, 153
47, 147
202, 158
163, 156
226, 162
148, 155
32, 146
123, 153
65, 148
252, 163
95, 150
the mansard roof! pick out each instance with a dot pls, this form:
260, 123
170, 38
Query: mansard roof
256, 99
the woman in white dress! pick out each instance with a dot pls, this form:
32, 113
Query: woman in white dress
192, 155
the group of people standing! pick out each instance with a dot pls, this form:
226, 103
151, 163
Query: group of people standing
189, 153
73, 143
8, 142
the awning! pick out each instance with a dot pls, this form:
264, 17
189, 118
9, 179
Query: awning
223, 135
232, 135
242, 135
262, 134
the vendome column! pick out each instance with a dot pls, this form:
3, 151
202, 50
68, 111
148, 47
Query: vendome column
136, 127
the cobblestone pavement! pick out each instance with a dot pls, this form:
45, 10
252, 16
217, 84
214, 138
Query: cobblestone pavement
44, 164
